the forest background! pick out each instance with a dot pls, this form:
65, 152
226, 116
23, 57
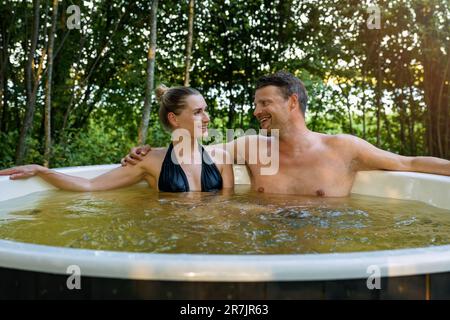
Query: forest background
77, 77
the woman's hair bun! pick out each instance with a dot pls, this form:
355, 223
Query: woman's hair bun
160, 90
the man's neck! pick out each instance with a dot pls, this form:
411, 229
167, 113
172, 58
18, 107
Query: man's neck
295, 137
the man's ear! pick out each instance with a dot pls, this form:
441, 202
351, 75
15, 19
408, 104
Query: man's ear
172, 119
293, 101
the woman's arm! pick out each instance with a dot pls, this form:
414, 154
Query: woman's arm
116, 178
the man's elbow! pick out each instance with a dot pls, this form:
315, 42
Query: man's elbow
407, 164
399, 163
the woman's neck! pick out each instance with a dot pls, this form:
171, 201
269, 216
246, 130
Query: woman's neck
187, 151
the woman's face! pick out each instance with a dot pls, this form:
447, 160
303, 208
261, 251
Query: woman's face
194, 117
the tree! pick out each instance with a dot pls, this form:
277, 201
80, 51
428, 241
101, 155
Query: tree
150, 74
32, 82
395, 79
48, 86
189, 43
435, 58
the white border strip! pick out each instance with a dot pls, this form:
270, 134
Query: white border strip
223, 268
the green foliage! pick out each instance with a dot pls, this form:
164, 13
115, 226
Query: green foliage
7, 146
100, 70
96, 145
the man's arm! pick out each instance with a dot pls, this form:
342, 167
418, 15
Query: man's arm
236, 148
136, 155
369, 157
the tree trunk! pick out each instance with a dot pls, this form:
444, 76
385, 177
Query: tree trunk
364, 113
2, 109
3, 61
412, 119
5, 34
387, 125
447, 128
437, 101
91, 68
443, 114
350, 119
5, 114
402, 116
435, 81
379, 90
31, 90
150, 74
2, 71
349, 112
65, 122
189, 43
231, 111
48, 86
6, 118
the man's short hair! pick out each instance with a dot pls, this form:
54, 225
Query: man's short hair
288, 84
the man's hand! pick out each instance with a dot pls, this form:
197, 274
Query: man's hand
136, 154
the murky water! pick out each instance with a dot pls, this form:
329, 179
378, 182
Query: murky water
141, 220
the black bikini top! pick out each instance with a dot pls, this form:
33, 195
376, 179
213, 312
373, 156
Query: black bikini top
173, 179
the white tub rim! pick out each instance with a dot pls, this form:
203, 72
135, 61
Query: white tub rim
225, 268
228, 268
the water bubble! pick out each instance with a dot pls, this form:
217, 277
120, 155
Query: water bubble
334, 214
406, 222
364, 240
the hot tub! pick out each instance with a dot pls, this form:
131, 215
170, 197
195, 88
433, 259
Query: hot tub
37, 271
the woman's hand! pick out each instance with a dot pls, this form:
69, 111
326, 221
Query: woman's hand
22, 172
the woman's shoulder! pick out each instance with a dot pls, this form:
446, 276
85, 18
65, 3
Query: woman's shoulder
154, 155
157, 151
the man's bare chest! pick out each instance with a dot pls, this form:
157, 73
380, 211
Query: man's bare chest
325, 176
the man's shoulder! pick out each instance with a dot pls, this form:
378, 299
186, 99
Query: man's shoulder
342, 143
253, 139
339, 139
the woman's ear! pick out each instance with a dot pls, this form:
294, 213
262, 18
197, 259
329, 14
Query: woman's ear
172, 119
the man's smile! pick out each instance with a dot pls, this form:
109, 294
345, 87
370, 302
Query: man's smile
264, 120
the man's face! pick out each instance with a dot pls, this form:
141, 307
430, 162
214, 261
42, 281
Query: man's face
271, 108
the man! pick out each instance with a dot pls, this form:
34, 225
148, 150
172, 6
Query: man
310, 163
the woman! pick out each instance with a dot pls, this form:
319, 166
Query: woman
184, 166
